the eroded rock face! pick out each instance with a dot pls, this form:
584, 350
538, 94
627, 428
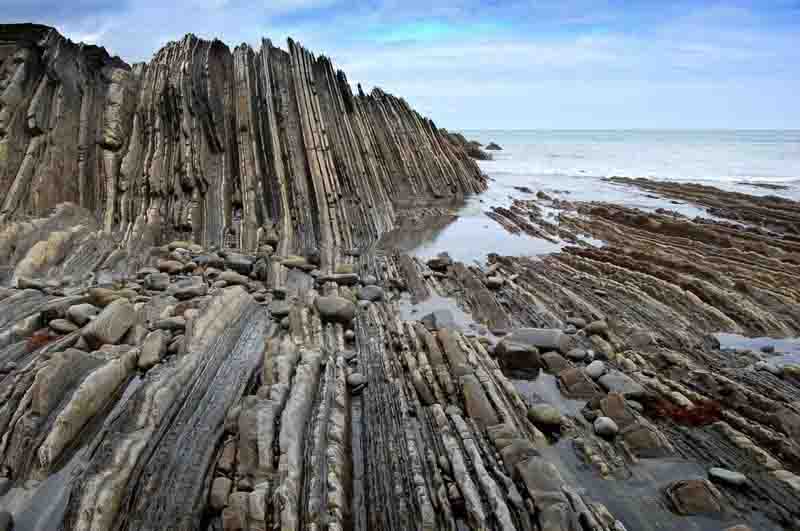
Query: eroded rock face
213, 145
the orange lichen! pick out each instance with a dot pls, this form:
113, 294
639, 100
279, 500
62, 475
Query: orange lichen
39, 339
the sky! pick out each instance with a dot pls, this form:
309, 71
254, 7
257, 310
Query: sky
493, 64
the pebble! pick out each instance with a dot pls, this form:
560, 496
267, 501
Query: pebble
605, 427
727, 476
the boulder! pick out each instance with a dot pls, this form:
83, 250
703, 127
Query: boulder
545, 339
544, 415
369, 280
554, 362
209, 260
476, 402
174, 324
156, 281
518, 357
153, 349
220, 490
232, 278
189, 290
617, 382
370, 293
102, 297
111, 324
279, 309
335, 308
605, 427
240, 263
356, 382
577, 354
170, 267
595, 369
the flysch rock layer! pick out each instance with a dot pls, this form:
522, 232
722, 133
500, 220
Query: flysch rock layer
239, 147
223, 348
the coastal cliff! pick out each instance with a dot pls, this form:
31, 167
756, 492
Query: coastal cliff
223, 147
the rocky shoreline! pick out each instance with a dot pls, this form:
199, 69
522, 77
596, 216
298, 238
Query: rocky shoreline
311, 375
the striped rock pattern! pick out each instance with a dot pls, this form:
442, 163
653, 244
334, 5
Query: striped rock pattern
237, 147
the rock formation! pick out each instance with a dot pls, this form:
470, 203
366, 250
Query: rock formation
242, 148
227, 346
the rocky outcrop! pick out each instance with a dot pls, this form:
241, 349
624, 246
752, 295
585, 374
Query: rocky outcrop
238, 148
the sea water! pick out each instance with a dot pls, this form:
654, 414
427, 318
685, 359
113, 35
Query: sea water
572, 165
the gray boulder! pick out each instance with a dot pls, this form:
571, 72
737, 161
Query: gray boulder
240, 263
189, 290
595, 369
111, 324
544, 415
617, 382
370, 293
153, 349
173, 324
279, 309
156, 281
62, 326
335, 308
518, 357
545, 339
233, 278
605, 427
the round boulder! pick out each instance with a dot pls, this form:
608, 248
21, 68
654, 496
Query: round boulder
335, 308
605, 427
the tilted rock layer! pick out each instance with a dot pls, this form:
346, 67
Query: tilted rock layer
240, 147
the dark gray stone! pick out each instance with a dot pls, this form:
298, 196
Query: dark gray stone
335, 308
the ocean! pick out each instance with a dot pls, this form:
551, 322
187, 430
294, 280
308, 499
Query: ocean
573, 164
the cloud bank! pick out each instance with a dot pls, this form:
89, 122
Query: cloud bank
501, 64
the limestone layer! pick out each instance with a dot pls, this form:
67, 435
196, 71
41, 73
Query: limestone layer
236, 148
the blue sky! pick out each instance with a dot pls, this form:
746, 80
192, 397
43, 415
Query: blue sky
501, 64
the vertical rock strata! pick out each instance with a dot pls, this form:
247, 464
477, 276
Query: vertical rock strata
238, 147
